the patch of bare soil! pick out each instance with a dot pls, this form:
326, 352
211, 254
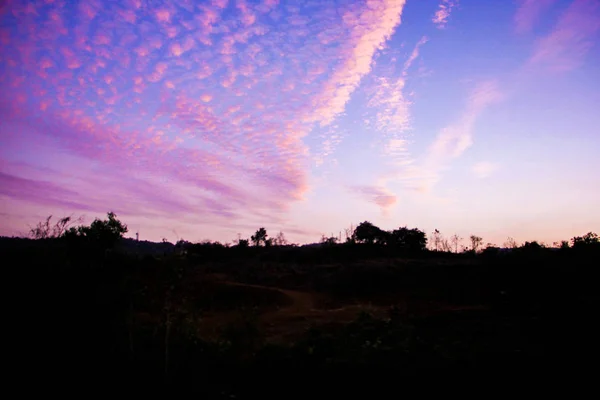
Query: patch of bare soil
303, 310
283, 315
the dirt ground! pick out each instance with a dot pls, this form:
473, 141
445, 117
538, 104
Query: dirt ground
285, 314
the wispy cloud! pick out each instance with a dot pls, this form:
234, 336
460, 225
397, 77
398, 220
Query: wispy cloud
393, 113
50, 194
377, 195
389, 99
370, 30
392, 118
452, 141
572, 37
529, 13
484, 169
441, 16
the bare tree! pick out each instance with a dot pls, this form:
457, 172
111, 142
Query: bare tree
280, 239
510, 243
45, 230
455, 240
437, 239
445, 245
349, 234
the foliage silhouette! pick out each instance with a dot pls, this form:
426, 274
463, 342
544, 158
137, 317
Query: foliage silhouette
587, 240
44, 230
368, 233
476, 242
413, 240
101, 234
260, 237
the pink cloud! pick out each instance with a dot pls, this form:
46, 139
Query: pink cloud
46, 63
159, 71
414, 55
89, 9
222, 132
248, 17
529, 12
392, 110
393, 114
484, 169
567, 45
163, 15
47, 193
128, 16
371, 29
454, 139
219, 3
377, 195
102, 39
72, 61
441, 16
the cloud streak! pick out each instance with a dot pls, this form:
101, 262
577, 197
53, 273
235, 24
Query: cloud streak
369, 31
571, 38
484, 169
377, 195
451, 142
529, 13
441, 16
392, 118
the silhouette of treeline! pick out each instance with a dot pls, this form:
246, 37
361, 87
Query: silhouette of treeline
98, 310
108, 234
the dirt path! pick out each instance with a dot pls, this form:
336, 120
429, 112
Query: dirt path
304, 309
302, 302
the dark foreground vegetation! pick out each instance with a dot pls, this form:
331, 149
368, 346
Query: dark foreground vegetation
95, 311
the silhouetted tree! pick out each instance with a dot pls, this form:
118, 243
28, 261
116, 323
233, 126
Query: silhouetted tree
589, 239
475, 243
490, 250
366, 232
511, 243
182, 246
260, 237
531, 245
349, 233
445, 245
437, 239
101, 233
280, 239
408, 239
455, 240
331, 240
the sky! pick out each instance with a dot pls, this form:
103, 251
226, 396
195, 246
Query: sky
207, 119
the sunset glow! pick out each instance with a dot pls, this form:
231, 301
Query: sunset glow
205, 119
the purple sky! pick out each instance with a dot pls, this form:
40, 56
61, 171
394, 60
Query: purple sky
205, 119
